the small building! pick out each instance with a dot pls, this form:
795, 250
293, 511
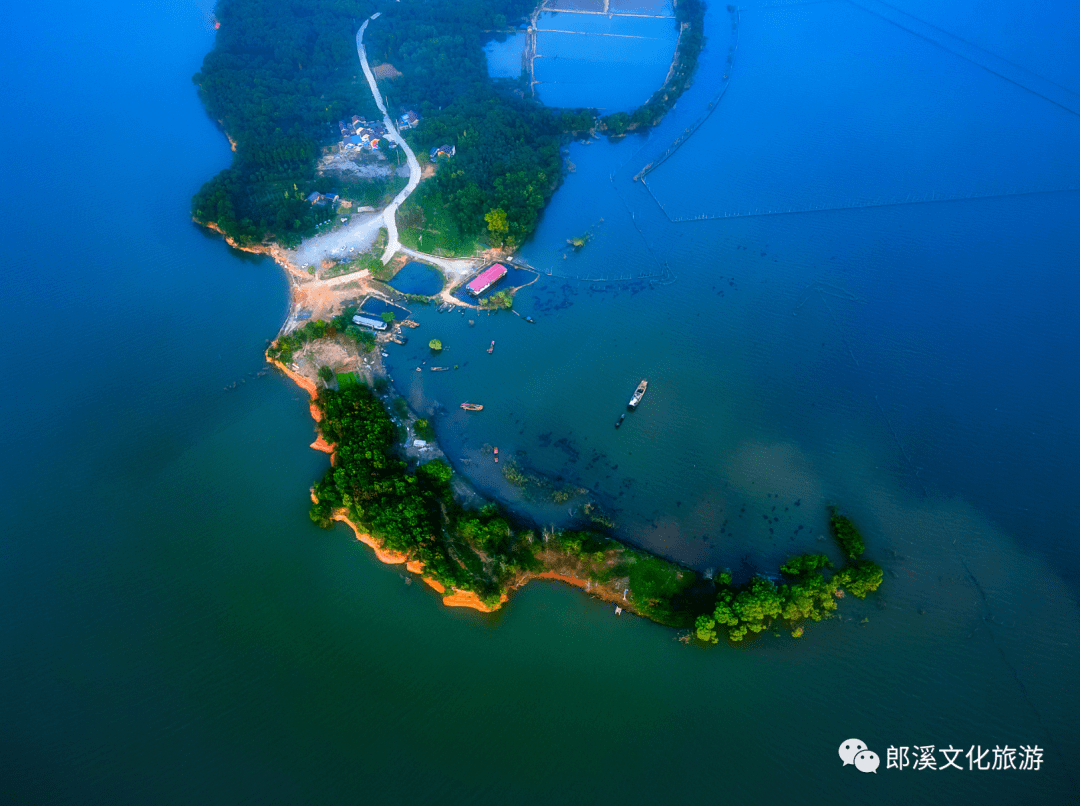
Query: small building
442, 152
368, 321
486, 279
315, 198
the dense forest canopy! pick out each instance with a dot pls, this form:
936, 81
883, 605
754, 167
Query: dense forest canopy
279, 76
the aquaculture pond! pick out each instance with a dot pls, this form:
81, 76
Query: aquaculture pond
417, 278
613, 62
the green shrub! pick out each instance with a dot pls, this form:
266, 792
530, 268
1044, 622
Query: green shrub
851, 542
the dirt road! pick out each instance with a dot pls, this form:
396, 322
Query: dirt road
390, 213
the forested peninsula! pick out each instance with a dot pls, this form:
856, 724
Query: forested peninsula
282, 78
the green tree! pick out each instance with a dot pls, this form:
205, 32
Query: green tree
705, 629
435, 345
437, 473
805, 564
497, 223
387, 316
851, 542
500, 300
326, 373
860, 577
812, 597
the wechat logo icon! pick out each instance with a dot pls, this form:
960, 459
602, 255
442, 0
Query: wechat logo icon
854, 751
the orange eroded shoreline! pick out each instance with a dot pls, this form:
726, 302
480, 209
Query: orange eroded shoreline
456, 598
274, 251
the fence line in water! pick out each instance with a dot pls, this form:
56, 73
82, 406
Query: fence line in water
912, 198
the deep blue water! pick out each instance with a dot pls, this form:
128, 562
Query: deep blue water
179, 631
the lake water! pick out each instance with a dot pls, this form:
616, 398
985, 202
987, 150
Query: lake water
179, 631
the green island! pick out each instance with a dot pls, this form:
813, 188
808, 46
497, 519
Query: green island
281, 81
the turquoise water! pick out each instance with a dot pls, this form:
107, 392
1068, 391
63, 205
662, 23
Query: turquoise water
179, 631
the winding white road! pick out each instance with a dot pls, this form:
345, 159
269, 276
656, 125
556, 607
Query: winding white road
390, 213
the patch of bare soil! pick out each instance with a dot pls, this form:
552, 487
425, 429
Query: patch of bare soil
576, 571
325, 301
329, 353
386, 70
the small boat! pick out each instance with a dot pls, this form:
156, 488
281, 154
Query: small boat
439, 369
621, 418
496, 456
529, 319
472, 407
638, 394
491, 349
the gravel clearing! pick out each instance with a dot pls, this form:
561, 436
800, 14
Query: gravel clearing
348, 241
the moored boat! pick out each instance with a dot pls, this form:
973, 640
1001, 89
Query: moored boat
472, 407
491, 349
638, 394
621, 418
496, 456
439, 369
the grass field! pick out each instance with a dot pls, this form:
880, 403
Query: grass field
347, 379
436, 235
